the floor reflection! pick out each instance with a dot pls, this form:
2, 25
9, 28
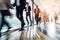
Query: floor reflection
33, 33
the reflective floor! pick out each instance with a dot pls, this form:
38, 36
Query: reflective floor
33, 32
47, 31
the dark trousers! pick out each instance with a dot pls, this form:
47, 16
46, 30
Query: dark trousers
4, 13
36, 20
28, 14
19, 14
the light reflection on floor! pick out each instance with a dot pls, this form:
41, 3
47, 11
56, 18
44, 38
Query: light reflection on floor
31, 32
51, 29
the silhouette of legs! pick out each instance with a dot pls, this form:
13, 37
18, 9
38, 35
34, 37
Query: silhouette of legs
4, 12
19, 15
36, 20
27, 19
30, 20
28, 14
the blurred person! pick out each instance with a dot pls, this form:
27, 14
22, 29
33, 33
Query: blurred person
40, 17
20, 6
5, 5
37, 11
45, 16
59, 12
55, 17
28, 13
46, 19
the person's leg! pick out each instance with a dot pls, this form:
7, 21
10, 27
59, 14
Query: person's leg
7, 25
18, 12
21, 18
2, 23
27, 18
5, 22
40, 19
30, 19
36, 20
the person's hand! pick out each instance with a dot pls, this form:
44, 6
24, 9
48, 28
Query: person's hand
11, 6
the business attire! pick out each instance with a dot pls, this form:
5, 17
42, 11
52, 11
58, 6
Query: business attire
4, 9
20, 6
37, 11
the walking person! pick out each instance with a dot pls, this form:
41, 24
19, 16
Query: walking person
28, 13
5, 5
20, 6
37, 12
55, 17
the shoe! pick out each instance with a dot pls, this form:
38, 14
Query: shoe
21, 29
7, 30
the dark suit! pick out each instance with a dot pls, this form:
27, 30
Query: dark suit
19, 11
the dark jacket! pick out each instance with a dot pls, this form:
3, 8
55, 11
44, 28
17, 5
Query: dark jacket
22, 3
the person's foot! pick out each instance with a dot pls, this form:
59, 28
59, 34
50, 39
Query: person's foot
30, 24
21, 29
7, 30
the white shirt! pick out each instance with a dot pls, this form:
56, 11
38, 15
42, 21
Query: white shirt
18, 2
